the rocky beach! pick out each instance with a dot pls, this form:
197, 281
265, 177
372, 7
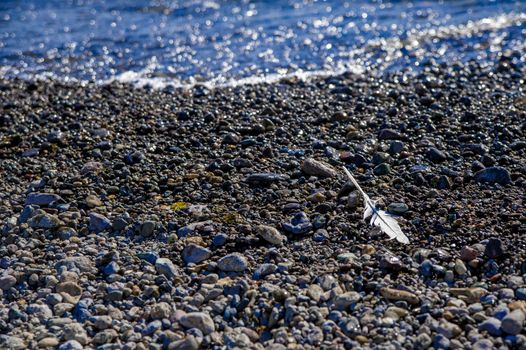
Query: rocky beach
221, 218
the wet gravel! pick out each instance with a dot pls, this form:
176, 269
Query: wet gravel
141, 219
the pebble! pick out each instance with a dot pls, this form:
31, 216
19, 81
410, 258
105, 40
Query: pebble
7, 281
195, 254
492, 326
36, 198
382, 169
199, 320
98, 222
316, 168
300, 224
435, 155
166, 267
397, 208
493, 175
71, 345
234, 262
270, 234
396, 294
71, 288
345, 300
46, 221
513, 322
494, 248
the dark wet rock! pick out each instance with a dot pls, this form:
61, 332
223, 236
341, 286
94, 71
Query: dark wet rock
397, 208
300, 224
493, 175
382, 169
264, 178
494, 248
435, 155
41, 198
98, 222
389, 134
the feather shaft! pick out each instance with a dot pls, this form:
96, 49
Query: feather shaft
380, 218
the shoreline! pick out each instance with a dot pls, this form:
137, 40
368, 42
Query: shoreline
183, 219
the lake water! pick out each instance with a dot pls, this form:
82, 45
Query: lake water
238, 42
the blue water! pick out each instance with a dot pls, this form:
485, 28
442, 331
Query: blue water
228, 41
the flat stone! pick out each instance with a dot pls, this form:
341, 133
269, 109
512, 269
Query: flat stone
71, 288
198, 320
98, 222
493, 175
48, 342
36, 198
513, 322
7, 281
234, 262
194, 253
46, 221
397, 208
166, 267
344, 300
397, 294
316, 168
270, 234
265, 178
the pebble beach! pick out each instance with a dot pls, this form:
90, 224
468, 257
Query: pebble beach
220, 219
173, 175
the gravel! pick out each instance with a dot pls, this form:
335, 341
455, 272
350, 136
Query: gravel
186, 219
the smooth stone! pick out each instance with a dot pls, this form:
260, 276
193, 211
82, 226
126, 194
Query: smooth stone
12, 343
397, 208
36, 198
270, 234
48, 342
494, 248
492, 326
389, 134
513, 322
195, 254
316, 168
265, 178
382, 169
435, 155
264, 270
343, 301
198, 320
46, 221
7, 281
166, 267
98, 222
234, 262
493, 175
71, 288
147, 228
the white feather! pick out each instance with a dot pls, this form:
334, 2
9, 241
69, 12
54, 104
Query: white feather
380, 218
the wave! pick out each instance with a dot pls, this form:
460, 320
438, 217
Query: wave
388, 48
376, 54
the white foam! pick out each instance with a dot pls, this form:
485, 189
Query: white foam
390, 47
